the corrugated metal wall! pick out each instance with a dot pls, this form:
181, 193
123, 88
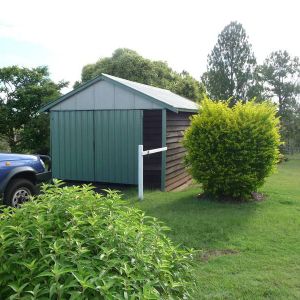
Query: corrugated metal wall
96, 145
72, 145
117, 136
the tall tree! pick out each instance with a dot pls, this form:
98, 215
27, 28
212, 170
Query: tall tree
280, 76
230, 66
290, 129
22, 92
128, 64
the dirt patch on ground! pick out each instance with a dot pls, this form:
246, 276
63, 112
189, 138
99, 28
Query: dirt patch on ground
258, 196
209, 254
254, 197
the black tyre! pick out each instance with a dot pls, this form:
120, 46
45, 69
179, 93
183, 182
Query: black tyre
18, 191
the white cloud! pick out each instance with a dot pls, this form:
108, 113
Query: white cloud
181, 32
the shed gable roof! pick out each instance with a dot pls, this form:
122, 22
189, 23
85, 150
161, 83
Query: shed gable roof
164, 97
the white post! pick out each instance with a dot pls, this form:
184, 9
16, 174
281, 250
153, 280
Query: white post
141, 172
141, 153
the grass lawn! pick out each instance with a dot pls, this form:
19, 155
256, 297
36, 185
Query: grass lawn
249, 251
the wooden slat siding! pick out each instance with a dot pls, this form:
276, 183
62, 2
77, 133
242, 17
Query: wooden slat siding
179, 183
178, 167
176, 174
176, 139
183, 183
174, 180
174, 145
152, 131
176, 151
175, 134
176, 128
173, 163
179, 123
175, 157
180, 116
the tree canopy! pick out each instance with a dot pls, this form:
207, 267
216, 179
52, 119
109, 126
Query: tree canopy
230, 66
128, 64
22, 92
279, 75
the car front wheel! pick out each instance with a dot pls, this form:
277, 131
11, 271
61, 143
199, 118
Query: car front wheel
18, 191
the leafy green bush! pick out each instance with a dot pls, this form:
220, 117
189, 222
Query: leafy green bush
71, 243
232, 150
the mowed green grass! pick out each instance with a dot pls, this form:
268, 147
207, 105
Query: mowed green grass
248, 251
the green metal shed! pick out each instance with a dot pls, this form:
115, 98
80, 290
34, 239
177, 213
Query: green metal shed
96, 130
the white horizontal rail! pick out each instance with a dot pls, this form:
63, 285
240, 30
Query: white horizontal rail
141, 153
147, 152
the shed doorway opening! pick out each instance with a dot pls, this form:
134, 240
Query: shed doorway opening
152, 139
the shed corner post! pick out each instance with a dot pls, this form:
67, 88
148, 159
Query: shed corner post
163, 144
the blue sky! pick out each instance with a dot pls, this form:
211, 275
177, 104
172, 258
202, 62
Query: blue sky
66, 35
15, 52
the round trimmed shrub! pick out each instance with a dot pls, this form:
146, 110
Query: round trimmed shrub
231, 151
72, 243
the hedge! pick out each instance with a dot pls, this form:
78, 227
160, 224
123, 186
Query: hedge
231, 150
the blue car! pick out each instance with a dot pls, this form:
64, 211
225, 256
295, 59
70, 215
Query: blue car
20, 176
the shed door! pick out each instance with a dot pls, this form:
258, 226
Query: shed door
117, 136
72, 145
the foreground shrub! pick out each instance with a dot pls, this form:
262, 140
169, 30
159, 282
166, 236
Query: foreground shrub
232, 150
71, 243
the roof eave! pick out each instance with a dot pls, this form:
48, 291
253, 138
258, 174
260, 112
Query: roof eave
187, 110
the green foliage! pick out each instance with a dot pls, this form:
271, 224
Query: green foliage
3, 145
280, 74
280, 77
22, 92
230, 66
128, 64
71, 243
232, 150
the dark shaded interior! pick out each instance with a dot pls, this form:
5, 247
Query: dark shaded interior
152, 138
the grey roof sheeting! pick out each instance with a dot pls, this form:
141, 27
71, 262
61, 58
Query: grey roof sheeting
162, 95
168, 99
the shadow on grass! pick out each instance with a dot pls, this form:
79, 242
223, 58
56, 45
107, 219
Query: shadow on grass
199, 223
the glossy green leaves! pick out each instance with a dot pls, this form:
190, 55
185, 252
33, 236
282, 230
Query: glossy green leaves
232, 150
71, 243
